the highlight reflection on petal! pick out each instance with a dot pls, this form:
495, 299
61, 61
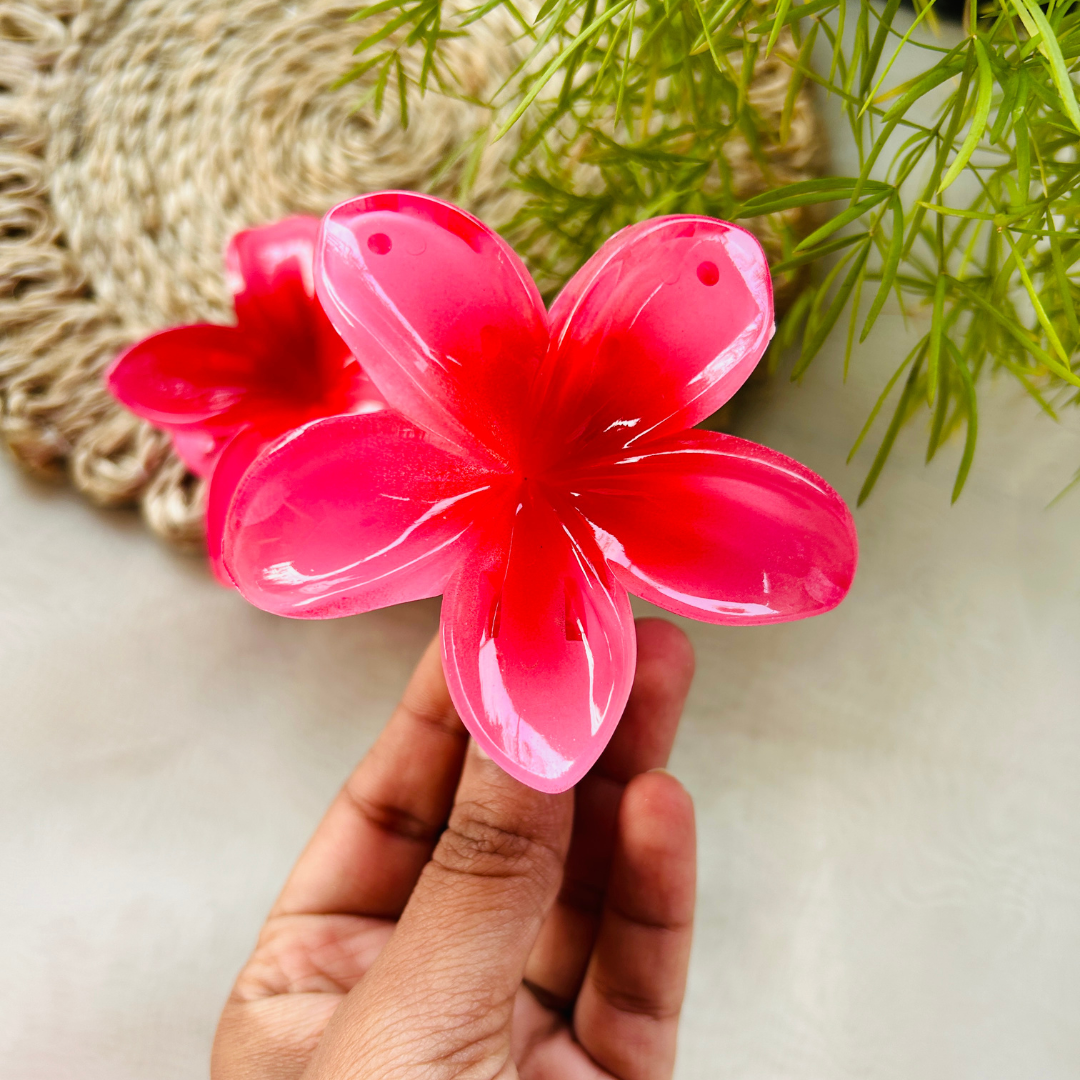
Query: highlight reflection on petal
538, 647
441, 312
353, 513
655, 332
720, 529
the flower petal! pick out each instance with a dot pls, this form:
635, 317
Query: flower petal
200, 374
538, 648
440, 311
656, 331
269, 271
198, 449
721, 529
352, 513
306, 366
233, 462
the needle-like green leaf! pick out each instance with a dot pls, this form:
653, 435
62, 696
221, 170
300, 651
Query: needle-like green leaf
919, 349
1062, 276
1031, 15
625, 109
873, 55
558, 60
779, 21
972, 410
792, 14
890, 267
983, 100
804, 193
898, 418
823, 324
1060, 368
852, 213
916, 23
937, 329
828, 248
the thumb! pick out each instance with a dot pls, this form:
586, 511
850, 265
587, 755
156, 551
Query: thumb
440, 997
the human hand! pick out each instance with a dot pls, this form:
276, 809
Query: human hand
446, 922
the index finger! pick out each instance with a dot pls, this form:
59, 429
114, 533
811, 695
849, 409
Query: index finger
369, 849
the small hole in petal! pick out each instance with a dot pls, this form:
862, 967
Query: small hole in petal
379, 243
707, 273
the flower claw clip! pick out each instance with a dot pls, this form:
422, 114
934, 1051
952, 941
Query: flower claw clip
535, 466
223, 392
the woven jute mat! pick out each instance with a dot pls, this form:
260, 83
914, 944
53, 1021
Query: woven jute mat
136, 136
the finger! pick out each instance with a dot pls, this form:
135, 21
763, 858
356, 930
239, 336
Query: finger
627, 1014
641, 742
645, 735
440, 996
378, 834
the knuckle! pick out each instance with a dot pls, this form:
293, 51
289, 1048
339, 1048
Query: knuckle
474, 1049
435, 711
475, 844
625, 999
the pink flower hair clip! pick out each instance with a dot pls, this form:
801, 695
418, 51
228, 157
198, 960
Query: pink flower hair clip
532, 466
224, 392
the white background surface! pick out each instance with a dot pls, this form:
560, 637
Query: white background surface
888, 796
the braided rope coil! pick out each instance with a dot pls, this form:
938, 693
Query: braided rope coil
136, 136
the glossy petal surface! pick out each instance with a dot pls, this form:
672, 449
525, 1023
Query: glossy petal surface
202, 374
721, 529
233, 461
281, 365
444, 315
271, 273
658, 329
352, 513
538, 647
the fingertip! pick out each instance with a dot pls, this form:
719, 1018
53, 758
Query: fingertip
661, 641
426, 696
366, 856
658, 842
655, 802
665, 668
